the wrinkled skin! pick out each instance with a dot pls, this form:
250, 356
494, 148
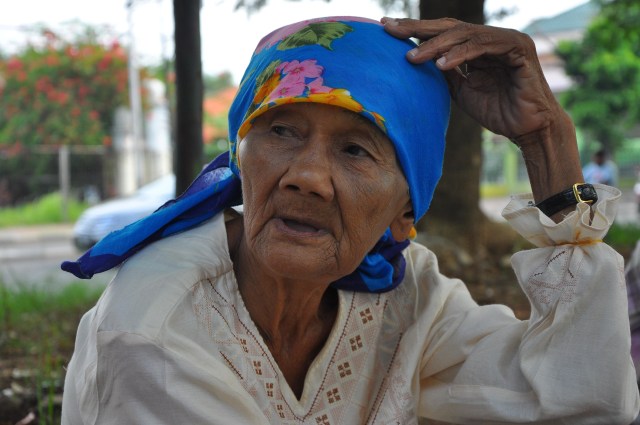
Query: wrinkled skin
320, 186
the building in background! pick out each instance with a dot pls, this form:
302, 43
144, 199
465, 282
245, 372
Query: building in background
149, 158
548, 32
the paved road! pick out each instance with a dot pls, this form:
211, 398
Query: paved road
31, 256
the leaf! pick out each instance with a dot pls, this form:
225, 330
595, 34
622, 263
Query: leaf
267, 73
322, 33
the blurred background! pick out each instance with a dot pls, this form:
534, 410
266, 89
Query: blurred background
108, 109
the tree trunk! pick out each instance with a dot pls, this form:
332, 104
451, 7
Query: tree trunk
189, 92
455, 227
456, 201
465, 10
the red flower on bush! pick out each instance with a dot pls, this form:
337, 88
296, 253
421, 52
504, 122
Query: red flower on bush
14, 64
68, 88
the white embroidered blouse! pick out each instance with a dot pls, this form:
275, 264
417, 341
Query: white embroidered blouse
170, 341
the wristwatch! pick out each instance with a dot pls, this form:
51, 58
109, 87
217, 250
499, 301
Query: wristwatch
580, 192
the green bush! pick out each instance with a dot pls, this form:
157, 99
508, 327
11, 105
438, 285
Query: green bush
45, 210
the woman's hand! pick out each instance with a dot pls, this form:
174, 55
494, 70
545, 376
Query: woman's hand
493, 73
495, 76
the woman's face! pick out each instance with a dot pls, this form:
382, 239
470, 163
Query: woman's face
320, 186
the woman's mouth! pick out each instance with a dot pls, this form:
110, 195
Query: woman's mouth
300, 227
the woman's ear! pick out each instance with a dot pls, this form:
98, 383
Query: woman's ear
238, 152
403, 223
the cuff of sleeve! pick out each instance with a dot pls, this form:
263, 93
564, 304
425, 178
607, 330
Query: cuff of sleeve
577, 227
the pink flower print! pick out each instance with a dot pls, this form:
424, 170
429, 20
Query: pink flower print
288, 87
316, 86
302, 70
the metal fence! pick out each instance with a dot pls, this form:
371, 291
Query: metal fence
29, 173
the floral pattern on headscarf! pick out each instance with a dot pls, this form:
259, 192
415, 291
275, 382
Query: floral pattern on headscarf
284, 82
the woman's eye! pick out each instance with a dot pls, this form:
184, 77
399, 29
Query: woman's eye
356, 150
281, 130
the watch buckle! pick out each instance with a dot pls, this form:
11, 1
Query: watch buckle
576, 193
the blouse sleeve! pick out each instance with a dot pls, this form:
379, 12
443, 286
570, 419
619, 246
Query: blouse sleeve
570, 362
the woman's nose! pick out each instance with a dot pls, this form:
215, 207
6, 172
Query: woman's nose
310, 173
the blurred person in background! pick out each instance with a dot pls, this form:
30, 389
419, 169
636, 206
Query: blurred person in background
601, 169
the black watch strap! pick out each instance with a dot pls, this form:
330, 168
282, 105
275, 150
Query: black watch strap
580, 192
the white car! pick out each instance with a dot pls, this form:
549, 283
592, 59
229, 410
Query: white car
99, 220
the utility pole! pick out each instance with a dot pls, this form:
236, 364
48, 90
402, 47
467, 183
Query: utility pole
135, 103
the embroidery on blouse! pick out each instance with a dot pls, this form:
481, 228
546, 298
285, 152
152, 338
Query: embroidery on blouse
362, 378
556, 279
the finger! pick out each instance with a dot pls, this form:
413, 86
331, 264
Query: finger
440, 36
466, 43
422, 29
454, 43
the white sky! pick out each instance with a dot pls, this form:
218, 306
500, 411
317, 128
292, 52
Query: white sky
228, 36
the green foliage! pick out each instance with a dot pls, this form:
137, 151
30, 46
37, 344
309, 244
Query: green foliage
59, 91
24, 301
606, 67
45, 210
623, 237
216, 83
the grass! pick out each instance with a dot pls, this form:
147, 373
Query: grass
45, 210
623, 235
37, 333
623, 238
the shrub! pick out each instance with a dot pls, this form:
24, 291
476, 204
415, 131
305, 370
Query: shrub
61, 91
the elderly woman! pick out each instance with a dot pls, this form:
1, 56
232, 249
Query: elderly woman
311, 305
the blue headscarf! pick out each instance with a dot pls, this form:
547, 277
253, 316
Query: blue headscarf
347, 62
